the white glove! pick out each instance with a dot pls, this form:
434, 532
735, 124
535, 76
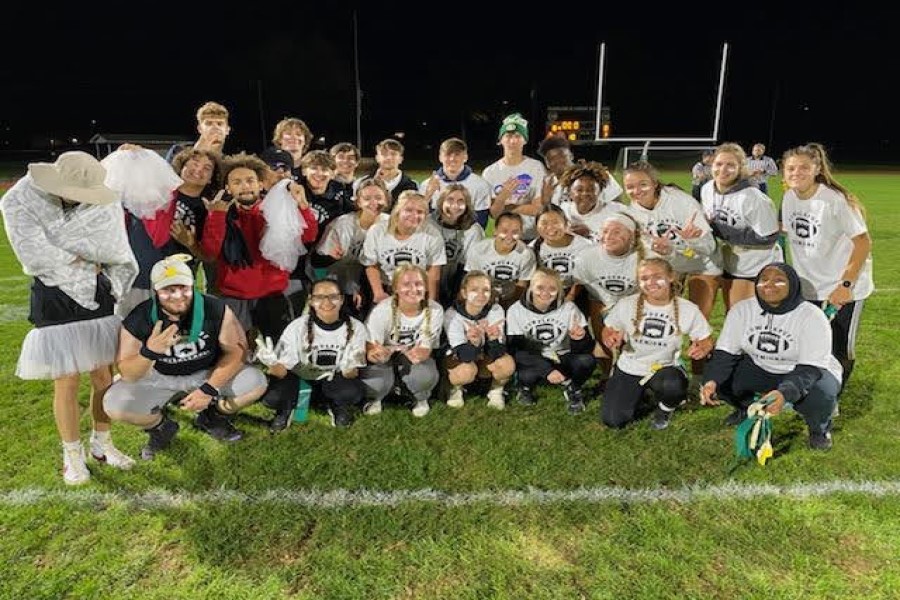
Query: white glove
265, 351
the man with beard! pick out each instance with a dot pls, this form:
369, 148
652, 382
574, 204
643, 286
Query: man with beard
177, 227
256, 242
181, 341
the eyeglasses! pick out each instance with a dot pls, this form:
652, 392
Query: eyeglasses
175, 293
320, 298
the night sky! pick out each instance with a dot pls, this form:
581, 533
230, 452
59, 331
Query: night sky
810, 72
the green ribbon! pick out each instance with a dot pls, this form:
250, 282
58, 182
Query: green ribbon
197, 315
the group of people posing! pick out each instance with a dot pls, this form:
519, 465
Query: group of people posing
373, 288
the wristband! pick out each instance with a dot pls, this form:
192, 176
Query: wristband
150, 354
209, 390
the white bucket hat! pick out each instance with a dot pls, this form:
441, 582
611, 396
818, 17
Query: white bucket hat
75, 176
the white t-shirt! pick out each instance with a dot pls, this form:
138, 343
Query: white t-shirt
747, 208
671, 213
458, 242
388, 326
778, 343
478, 188
424, 248
607, 278
506, 270
530, 174
562, 259
345, 232
455, 325
820, 232
550, 329
330, 350
658, 342
594, 218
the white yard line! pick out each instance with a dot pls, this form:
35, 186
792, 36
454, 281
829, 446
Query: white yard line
161, 498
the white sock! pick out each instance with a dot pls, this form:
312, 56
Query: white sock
74, 446
665, 408
102, 437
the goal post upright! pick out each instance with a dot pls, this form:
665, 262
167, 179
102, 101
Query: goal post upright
707, 139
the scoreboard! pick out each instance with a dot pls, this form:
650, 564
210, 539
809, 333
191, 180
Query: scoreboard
577, 123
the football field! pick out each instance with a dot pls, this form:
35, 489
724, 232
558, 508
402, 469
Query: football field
469, 503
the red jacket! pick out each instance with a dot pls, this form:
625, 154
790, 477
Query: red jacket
261, 278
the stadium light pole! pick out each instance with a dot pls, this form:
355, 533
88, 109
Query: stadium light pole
356, 78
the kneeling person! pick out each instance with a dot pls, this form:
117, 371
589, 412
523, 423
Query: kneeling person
181, 341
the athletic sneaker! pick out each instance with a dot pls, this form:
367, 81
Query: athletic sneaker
217, 425
820, 441
421, 408
456, 400
340, 417
575, 398
281, 420
373, 407
660, 418
160, 437
75, 472
526, 397
104, 451
736, 417
495, 398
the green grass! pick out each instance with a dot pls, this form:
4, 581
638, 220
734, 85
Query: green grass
265, 545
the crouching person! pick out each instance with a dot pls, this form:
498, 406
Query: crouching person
324, 346
181, 341
549, 340
474, 327
779, 346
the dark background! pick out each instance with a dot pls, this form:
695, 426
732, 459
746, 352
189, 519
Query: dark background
806, 72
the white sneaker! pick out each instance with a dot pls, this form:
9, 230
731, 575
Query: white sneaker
75, 472
107, 452
455, 399
495, 398
373, 407
421, 408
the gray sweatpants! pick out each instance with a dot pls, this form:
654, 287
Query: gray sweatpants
150, 393
419, 379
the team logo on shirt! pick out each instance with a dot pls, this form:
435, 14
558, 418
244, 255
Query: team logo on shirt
404, 255
452, 248
325, 357
656, 328
726, 215
561, 263
805, 226
616, 285
523, 184
185, 351
407, 337
664, 229
502, 272
769, 342
545, 332
356, 248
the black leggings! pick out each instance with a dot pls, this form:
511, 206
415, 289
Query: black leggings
624, 392
338, 392
532, 369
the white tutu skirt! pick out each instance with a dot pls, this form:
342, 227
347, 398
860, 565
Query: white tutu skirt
78, 347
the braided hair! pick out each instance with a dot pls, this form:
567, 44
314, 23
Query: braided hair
424, 304
343, 317
674, 293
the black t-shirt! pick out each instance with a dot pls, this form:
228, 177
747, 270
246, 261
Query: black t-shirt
185, 357
189, 210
